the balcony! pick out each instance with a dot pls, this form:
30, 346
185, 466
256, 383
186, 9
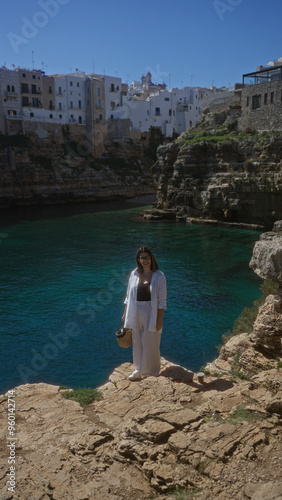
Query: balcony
11, 94
263, 76
14, 117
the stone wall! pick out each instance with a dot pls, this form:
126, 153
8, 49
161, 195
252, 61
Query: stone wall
262, 106
218, 100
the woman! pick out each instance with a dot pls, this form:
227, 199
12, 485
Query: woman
144, 308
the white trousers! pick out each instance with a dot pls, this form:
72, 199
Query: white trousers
146, 344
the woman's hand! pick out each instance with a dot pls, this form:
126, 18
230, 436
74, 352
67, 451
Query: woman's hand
159, 324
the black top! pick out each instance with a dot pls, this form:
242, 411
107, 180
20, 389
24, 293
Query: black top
143, 292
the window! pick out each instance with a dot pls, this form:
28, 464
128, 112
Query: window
50, 116
50, 89
79, 104
71, 104
31, 115
71, 84
24, 88
100, 117
60, 106
113, 105
98, 103
60, 90
248, 101
272, 97
25, 101
169, 113
148, 112
8, 88
166, 98
117, 87
190, 123
33, 89
35, 102
98, 92
157, 111
50, 104
80, 119
60, 116
265, 98
13, 88
14, 112
24, 75
256, 101
112, 87
112, 117
77, 84
34, 77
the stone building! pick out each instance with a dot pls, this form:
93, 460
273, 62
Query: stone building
31, 85
95, 113
11, 118
261, 99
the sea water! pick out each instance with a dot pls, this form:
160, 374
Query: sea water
64, 273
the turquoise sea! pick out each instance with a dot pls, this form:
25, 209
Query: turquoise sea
64, 273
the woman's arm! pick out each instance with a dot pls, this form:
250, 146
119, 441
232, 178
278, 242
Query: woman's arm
124, 313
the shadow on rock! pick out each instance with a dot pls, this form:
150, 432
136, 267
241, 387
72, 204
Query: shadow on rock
220, 385
177, 373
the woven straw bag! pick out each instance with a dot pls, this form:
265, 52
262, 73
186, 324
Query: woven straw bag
124, 337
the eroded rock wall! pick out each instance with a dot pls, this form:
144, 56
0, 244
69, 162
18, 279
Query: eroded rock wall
213, 173
51, 171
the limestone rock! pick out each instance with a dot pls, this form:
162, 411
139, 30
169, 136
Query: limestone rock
234, 180
267, 331
267, 256
144, 438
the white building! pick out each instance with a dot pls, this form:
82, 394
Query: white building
173, 111
61, 109
113, 95
75, 92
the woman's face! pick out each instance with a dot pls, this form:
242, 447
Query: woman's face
145, 259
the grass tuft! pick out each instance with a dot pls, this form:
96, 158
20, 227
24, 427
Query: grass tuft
83, 395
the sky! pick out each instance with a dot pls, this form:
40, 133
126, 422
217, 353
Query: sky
182, 42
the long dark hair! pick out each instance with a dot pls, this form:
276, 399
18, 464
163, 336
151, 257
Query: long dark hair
154, 264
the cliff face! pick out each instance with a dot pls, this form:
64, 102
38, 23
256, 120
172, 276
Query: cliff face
53, 171
217, 172
170, 437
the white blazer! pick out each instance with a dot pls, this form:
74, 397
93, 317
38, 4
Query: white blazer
158, 299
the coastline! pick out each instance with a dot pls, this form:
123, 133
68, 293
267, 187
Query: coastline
156, 215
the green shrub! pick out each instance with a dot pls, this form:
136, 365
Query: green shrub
245, 322
43, 161
14, 141
241, 414
83, 395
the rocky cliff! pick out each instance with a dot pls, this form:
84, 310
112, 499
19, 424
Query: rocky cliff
36, 171
215, 171
171, 437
